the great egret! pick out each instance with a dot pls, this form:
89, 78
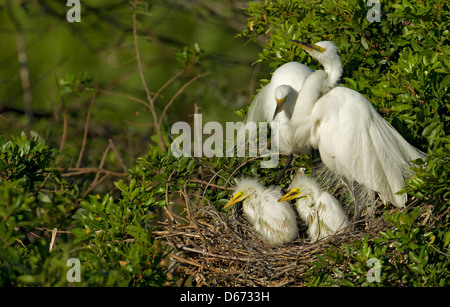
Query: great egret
353, 140
282, 90
319, 209
275, 223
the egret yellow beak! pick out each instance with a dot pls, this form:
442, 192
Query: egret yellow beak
235, 199
279, 106
308, 47
294, 193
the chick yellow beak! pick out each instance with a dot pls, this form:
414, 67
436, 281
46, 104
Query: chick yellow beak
294, 193
279, 106
308, 47
235, 199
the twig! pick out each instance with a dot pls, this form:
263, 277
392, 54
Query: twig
166, 208
119, 158
124, 96
93, 185
183, 260
105, 153
42, 184
151, 100
52, 242
168, 82
164, 111
86, 127
210, 184
64, 112
80, 171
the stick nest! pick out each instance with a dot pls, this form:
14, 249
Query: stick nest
221, 249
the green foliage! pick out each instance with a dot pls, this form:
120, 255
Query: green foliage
112, 237
25, 258
23, 159
118, 240
75, 83
413, 251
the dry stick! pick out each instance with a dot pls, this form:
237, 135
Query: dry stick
166, 208
42, 184
210, 184
163, 113
101, 163
151, 101
64, 111
94, 185
168, 82
86, 126
119, 158
52, 242
124, 96
73, 171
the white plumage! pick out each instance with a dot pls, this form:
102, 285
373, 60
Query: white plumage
275, 222
283, 89
321, 212
353, 140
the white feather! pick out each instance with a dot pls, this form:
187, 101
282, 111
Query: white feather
353, 140
321, 212
275, 222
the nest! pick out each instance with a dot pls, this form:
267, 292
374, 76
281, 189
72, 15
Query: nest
220, 248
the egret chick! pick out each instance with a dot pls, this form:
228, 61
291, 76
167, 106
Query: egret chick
275, 223
319, 209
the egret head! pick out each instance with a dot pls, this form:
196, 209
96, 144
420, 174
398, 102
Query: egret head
281, 93
327, 54
244, 188
324, 52
292, 194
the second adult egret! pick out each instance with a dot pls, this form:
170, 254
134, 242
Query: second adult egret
354, 141
282, 90
319, 209
275, 223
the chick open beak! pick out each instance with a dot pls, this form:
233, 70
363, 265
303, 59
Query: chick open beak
308, 47
294, 193
279, 106
235, 199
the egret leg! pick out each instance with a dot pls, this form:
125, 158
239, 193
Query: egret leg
289, 160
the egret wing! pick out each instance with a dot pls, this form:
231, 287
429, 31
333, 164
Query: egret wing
355, 142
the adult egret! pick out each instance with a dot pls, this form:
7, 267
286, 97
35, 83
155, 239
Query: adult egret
353, 140
276, 224
282, 90
322, 212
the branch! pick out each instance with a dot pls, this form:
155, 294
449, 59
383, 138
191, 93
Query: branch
64, 111
86, 126
163, 113
151, 100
